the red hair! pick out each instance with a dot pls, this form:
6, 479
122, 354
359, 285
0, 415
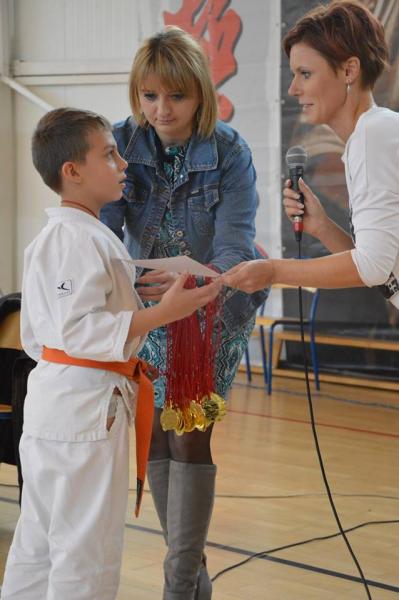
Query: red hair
343, 29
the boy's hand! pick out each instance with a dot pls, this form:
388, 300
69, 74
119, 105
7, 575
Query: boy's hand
179, 302
159, 283
249, 276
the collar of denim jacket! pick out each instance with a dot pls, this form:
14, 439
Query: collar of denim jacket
201, 155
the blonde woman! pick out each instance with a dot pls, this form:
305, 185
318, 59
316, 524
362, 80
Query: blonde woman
190, 190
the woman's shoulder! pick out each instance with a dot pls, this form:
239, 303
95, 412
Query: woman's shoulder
374, 151
380, 122
376, 136
228, 138
123, 131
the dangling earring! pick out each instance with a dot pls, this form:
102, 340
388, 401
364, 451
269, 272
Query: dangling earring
144, 123
348, 88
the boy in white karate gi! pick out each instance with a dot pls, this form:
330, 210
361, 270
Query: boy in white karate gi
78, 300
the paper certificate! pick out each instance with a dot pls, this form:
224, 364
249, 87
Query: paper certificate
176, 264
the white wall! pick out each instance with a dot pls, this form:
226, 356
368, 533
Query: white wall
7, 173
78, 53
7, 193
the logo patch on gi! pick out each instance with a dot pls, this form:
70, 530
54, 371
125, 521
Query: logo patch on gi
64, 288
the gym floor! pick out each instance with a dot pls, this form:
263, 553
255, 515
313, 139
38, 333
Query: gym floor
270, 494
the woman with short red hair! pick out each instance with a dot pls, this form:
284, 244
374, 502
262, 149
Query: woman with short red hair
336, 53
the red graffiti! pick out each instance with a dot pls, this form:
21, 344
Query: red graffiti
218, 32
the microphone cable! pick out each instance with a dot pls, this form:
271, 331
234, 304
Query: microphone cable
296, 158
330, 536
315, 437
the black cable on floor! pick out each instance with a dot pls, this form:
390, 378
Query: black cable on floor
320, 459
301, 543
316, 441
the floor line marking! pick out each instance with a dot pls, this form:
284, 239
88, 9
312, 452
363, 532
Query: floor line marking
318, 423
284, 561
243, 552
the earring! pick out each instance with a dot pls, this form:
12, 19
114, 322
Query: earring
143, 121
348, 88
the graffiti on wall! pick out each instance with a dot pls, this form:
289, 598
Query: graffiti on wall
218, 29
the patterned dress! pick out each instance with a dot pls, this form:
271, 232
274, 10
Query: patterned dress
232, 344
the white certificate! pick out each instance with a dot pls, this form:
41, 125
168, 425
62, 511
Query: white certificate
176, 264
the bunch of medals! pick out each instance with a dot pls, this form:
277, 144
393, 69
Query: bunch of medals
192, 344
197, 415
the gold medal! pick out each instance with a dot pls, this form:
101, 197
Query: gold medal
221, 405
199, 416
189, 420
179, 429
169, 418
210, 407
214, 407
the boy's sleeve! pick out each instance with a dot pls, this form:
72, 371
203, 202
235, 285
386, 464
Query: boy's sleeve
28, 339
86, 325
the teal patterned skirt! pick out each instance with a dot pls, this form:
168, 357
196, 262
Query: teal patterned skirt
228, 358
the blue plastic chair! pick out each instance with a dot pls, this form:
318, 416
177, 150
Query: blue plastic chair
261, 311
309, 324
270, 323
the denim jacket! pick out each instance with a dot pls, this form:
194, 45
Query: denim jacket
213, 204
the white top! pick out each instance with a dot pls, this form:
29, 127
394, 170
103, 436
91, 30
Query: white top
371, 160
77, 296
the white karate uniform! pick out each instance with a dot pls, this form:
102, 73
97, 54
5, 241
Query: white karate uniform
77, 296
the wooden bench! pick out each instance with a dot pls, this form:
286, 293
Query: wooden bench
10, 331
271, 360
267, 325
336, 340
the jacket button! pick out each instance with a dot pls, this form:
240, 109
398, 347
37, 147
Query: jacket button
187, 252
179, 233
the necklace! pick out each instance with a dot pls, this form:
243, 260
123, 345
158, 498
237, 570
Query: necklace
81, 206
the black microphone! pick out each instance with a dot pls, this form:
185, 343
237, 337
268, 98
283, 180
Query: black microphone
295, 159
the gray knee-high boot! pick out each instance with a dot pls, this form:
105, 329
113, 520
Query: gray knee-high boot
190, 502
158, 480
204, 583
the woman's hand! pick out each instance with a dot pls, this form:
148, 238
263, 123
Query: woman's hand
160, 282
179, 302
314, 215
249, 276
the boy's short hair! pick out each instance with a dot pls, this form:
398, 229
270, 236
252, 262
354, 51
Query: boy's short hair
62, 136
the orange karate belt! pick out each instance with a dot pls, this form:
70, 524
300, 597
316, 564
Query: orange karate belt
143, 374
